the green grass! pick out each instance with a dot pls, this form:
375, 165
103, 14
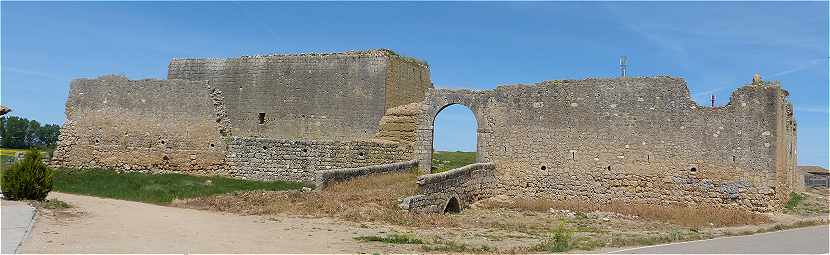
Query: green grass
10, 152
795, 199
443, 161
393, 238
154, 188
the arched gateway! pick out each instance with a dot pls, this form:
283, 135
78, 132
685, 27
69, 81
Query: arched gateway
435, 101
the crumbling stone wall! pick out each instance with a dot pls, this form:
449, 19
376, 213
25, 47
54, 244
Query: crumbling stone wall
639, 140
287, 117
406, 81
452, 190
334, 96
113, 122
276, 117
399, 124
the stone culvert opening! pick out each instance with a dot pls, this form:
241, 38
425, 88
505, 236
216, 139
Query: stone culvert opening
453, 206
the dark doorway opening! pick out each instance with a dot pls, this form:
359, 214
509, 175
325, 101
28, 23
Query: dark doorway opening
452, 206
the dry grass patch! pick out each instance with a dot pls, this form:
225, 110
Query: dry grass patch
371, 198
684, 216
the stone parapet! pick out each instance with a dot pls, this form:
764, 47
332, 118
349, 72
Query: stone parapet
327, 177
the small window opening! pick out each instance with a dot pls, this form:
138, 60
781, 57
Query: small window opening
693, 170
165, 157
212, 145
97, 141
573, 155
544, 167
452, 206
360, 154
609, 168
262, 118
305, 150
264, 147
162, 142
733, 159
648, 158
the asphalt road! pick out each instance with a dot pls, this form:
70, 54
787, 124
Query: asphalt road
810, 240
16, 223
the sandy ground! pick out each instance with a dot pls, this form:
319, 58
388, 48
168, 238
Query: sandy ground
98, 225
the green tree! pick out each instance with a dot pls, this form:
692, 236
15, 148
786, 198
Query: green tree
14, 135
21, 133
49, 134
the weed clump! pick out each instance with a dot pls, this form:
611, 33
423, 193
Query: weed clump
795, 199
29, 178
55, 204
393, 238
560, 240
452, 246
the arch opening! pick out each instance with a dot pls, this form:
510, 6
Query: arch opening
453, 206
455, 138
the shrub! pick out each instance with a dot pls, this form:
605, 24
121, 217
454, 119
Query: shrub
29, 178
795, 199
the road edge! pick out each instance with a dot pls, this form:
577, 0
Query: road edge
716, 238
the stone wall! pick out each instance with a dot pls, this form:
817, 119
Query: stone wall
632, 139
407, 81
276, 117
452, 190
333, 96
400, 123
113, 122
301, 160
327, 177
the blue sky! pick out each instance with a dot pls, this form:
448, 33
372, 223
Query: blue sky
715, 46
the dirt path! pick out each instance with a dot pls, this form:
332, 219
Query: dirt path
97, 225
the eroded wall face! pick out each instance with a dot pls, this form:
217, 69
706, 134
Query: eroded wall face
632, 140
326, 96
112, 122
407, 82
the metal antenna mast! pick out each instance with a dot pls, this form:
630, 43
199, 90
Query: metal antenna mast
623, 65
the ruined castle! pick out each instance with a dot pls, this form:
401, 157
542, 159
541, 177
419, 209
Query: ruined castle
320, 117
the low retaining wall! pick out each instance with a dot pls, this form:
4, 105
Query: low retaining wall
300, 160
326, 177
452, 190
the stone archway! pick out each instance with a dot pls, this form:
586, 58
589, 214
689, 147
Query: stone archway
452, 206
438, 99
